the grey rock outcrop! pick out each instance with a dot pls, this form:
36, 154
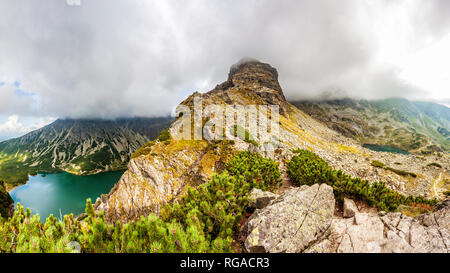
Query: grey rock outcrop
292, 222
262, 78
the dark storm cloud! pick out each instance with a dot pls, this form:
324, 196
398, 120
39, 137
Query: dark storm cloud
124, 58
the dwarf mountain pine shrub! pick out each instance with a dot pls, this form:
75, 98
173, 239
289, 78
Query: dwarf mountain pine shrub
306, 168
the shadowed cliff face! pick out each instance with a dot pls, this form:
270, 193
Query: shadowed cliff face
164, 168
6, 202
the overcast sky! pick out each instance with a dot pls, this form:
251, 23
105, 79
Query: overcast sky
108, 58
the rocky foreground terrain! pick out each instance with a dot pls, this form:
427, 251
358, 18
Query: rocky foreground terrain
6, 202
303, 219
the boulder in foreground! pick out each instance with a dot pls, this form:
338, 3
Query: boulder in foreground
292, 222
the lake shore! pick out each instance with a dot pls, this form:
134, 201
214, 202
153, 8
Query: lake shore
46, 194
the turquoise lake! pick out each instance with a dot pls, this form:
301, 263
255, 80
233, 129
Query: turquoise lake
51, 193
385, 148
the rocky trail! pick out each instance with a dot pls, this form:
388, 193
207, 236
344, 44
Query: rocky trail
298, 219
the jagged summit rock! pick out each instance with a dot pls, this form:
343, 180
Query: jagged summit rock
255, 76
254, 72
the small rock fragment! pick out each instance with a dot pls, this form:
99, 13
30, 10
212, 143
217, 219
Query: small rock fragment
350, 208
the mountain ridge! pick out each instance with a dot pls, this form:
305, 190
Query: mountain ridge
79, 146
414, 126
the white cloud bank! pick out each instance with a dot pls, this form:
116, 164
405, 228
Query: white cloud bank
110, 58
14, 127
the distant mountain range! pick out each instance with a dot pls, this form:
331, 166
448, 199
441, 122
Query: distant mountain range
79, 146
417, 127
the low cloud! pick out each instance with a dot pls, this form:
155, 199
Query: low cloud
13, 126
111, 58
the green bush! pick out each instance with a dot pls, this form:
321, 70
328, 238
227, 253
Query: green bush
400, 172
240, 132
164, 136
379, 164
306, 168
144, 150
262, 173
435, 165
220, 203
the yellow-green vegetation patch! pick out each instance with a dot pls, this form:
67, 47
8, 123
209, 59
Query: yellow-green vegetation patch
305, 139
144, 150
377, 164
348, 149
147, 148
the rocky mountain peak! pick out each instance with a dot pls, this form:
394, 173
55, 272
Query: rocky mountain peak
252, 71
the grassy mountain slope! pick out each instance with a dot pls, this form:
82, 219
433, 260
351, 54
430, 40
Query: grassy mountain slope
76, 146
418, 127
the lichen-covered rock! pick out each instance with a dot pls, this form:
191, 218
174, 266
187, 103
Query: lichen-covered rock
293, 222
350, 208
259, 199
